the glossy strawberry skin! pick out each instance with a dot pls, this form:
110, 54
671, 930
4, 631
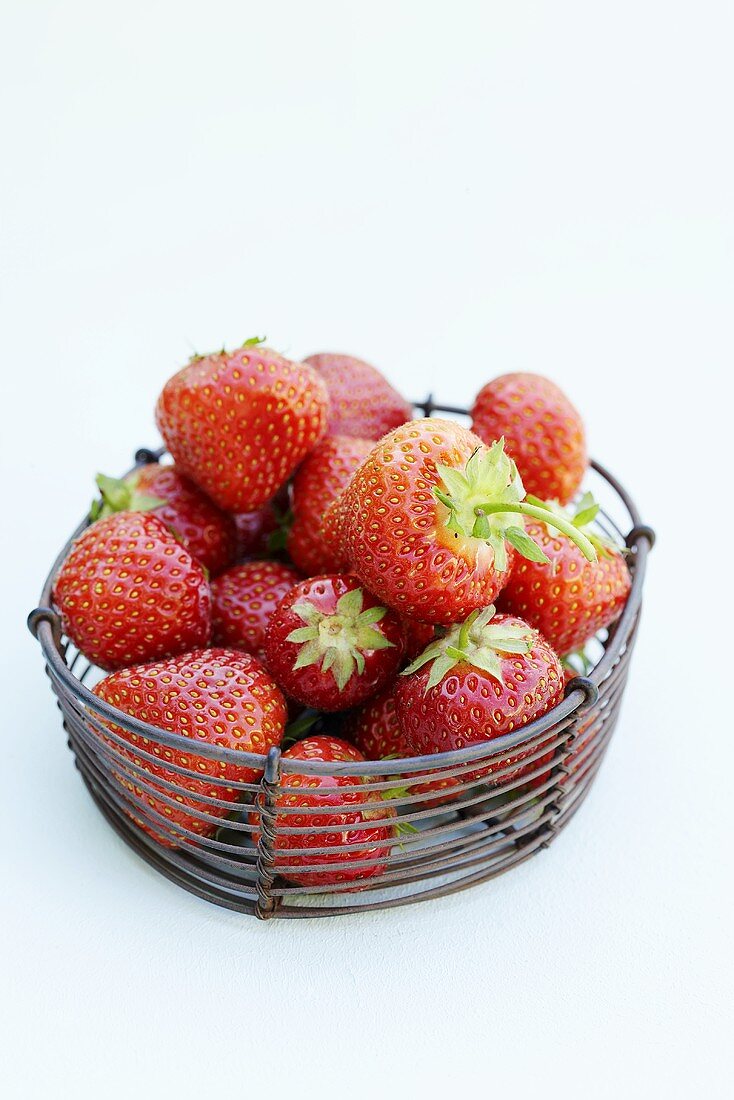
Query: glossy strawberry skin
344, 804
375, 730
394, 529
331, 534
240, 423
542, 430
362, 401
319, 481
310, 685
217, 696
417, 637
129, 592
468, 707
244, 599
203, 528
571, 599
254, 530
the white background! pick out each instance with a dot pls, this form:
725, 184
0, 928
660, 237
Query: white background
451, 191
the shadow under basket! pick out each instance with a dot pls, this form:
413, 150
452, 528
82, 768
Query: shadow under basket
479, 831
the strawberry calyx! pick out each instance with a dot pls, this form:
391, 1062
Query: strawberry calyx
121, 495
478, 642
251, 342
486, 501
339, 641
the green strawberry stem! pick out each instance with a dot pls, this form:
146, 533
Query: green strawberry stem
550, 519
465, 629
586, 512
295, 729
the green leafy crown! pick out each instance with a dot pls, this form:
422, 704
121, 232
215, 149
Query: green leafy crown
338, 642
479, 642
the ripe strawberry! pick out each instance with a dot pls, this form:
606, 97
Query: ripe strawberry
375, 730
331, 645
205, 530
128, 592
254, 530
569, 599
345, 820
363, 403
542, 431
243, 601
432, 518
217, 696
239, 423
485, 678
318, 483
417, 636
332, 532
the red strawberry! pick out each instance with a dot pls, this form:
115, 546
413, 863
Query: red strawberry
205, 530
542, 431
332, 532
417, 636
570, 598
239, 423
346, 819
363, 403
318, 483
375, 730
128, 592
244, 599
331, 645
216, 696
485, 678
432, 518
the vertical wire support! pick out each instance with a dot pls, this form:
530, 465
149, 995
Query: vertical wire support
560, 770
267, 805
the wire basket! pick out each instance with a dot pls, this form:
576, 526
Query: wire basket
495, 815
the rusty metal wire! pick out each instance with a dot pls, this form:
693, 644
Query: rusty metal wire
490, 821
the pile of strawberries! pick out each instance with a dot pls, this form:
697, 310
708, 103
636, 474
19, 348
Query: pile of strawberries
319, 570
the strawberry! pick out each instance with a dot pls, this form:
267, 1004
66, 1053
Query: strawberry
216, 696
417, 636
243, 601
346, 820
375, 730
362, 401
317, 485
330, 643
485, 678
239, 423
542, 431
569, 599
128, 591
331, 532
205, 530
254, 530
432, 520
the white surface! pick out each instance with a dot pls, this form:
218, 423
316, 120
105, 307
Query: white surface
451, 191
